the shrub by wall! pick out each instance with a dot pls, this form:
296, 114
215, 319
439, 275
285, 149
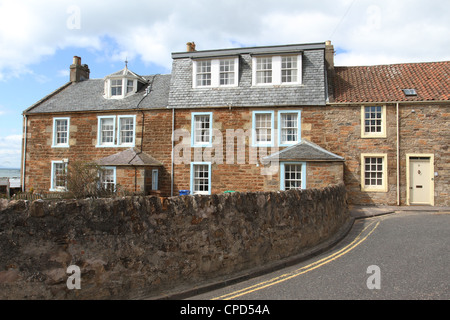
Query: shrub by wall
140, 246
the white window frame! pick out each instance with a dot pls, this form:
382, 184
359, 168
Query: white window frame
55, 143
381, 134
194, 143
282, 174
101, 181
117, 132
384, 170
270, 143
277, 69
193, 191
216, 73
124, 88
282, 143
53, 187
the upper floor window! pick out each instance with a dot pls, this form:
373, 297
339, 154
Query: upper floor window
277, 70
201, 129
116, 88
122, 84
289, 69
373, 121
215, 73
116, 131
289, 127
263, 128
264, 70
61, 132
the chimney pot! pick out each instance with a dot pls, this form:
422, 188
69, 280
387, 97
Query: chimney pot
78, 72
190, 46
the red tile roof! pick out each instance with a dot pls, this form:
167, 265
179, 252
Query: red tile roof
384, 83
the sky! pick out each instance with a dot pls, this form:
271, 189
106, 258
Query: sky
38, 39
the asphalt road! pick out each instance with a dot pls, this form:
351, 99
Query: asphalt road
398, 256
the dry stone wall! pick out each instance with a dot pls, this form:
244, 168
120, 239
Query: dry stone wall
136, 247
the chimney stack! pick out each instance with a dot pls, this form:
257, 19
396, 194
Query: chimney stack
78, 72
329, 64
190, 46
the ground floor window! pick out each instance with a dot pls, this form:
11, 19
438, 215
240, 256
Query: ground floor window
374, 172
200, 178
59, 176
108, 178
292, 175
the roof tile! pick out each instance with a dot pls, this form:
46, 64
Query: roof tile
384, 83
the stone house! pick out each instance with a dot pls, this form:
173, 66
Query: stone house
250, 119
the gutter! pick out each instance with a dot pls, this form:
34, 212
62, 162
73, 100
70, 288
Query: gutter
173, 145
398, 154
24, 150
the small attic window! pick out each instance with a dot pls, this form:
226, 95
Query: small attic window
410, 92
122, 84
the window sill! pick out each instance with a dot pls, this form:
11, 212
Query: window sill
115, 145
61, 146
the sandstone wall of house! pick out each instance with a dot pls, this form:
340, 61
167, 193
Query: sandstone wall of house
237, 165
139, 246
424, 131
83, 140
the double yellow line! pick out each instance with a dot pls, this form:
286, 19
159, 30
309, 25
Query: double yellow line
362, 236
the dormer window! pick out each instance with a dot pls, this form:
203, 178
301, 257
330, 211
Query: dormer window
216, 73
277, 70
116, 88
122, 84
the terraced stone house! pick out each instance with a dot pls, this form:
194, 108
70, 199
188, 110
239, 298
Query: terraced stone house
251, 119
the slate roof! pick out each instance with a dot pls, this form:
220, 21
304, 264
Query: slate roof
312, 91
129, 157
384, 83
88, 96
304, 151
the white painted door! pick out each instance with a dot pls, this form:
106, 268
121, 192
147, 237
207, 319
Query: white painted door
420, 180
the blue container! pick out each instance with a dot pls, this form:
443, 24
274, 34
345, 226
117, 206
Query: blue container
184, 192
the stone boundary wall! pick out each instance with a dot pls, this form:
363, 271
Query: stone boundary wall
134, 247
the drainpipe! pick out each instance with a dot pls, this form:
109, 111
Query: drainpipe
173, 129
398, 156
24, 152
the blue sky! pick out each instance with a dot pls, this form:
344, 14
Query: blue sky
38, 39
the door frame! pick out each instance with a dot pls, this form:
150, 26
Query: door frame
408, 177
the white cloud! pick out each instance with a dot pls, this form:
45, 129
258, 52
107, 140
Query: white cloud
369, 31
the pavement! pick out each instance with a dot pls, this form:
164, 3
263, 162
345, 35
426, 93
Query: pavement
356, 212
361, 212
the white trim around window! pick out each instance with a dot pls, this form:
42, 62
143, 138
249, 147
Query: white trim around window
277, 70
263, 128
116, 131
58, 178
200, 178
289, 127
215, 73
108, 178
373, 121
201, 129
292, 175
61, 132
374, 169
